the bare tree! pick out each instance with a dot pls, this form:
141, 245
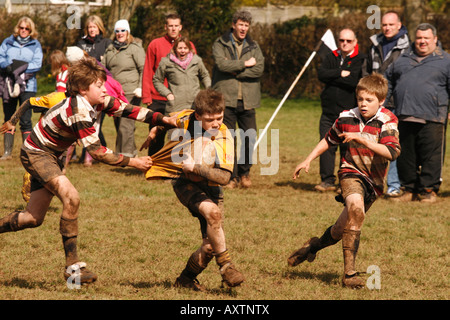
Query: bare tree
414, 14
123, 9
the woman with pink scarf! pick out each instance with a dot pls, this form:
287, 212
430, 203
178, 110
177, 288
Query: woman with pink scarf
184, 71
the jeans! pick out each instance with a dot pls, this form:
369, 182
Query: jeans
393, 182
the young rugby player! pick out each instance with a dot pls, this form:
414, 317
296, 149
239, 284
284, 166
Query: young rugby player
72, 119
372, 135
199, 187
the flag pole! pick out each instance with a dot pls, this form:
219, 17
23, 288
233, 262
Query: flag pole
287, 93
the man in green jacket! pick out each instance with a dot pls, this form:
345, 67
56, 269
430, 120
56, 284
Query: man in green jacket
239, 65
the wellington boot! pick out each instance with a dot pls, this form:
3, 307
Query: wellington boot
9, 143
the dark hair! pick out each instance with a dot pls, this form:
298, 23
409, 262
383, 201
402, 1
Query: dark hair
82, 74
209, 101
242, 15
426, 26
173, 16
184, 39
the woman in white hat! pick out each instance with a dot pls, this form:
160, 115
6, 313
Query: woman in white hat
125, 59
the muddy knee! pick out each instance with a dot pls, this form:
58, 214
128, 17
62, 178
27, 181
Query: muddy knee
214, 218
355, 217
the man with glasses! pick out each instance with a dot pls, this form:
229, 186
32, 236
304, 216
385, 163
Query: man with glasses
340, 71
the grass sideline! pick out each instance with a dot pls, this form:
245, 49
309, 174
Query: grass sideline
137, 236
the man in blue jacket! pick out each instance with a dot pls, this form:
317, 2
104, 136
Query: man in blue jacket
419, 81
386, 47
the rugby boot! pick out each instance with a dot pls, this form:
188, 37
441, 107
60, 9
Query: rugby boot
353, 281
231, 276
186, 282
304, 253
310, 248
9, 143
79, 272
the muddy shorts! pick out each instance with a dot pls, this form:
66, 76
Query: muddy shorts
42, 166
354, 184
192, 194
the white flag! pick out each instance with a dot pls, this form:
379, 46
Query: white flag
328, 40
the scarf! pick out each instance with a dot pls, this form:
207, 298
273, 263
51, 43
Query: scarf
118, 45
91, 40
388, 45
23, 41
182, 63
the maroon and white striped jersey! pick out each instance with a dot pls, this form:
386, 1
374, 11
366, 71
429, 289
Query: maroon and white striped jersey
75, 119
359, 160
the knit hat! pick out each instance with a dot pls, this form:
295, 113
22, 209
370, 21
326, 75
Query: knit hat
74, 54
122, 25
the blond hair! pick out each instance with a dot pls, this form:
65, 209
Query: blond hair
97, 21
30, 24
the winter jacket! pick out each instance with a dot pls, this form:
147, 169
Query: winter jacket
94, 47
126, 65
31, 52
376, 61
156, 50
339, 92
13, 84
230, 69
183, 84
420, 89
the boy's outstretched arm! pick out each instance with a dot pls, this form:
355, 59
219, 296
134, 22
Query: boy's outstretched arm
320, 148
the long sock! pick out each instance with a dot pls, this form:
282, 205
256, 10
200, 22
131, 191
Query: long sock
69, 232
193, 268
223, 258
350, 245
326, 240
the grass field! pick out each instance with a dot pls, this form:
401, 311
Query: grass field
137, 236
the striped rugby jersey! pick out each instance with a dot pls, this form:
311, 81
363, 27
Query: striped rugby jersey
359, 160
75, 119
